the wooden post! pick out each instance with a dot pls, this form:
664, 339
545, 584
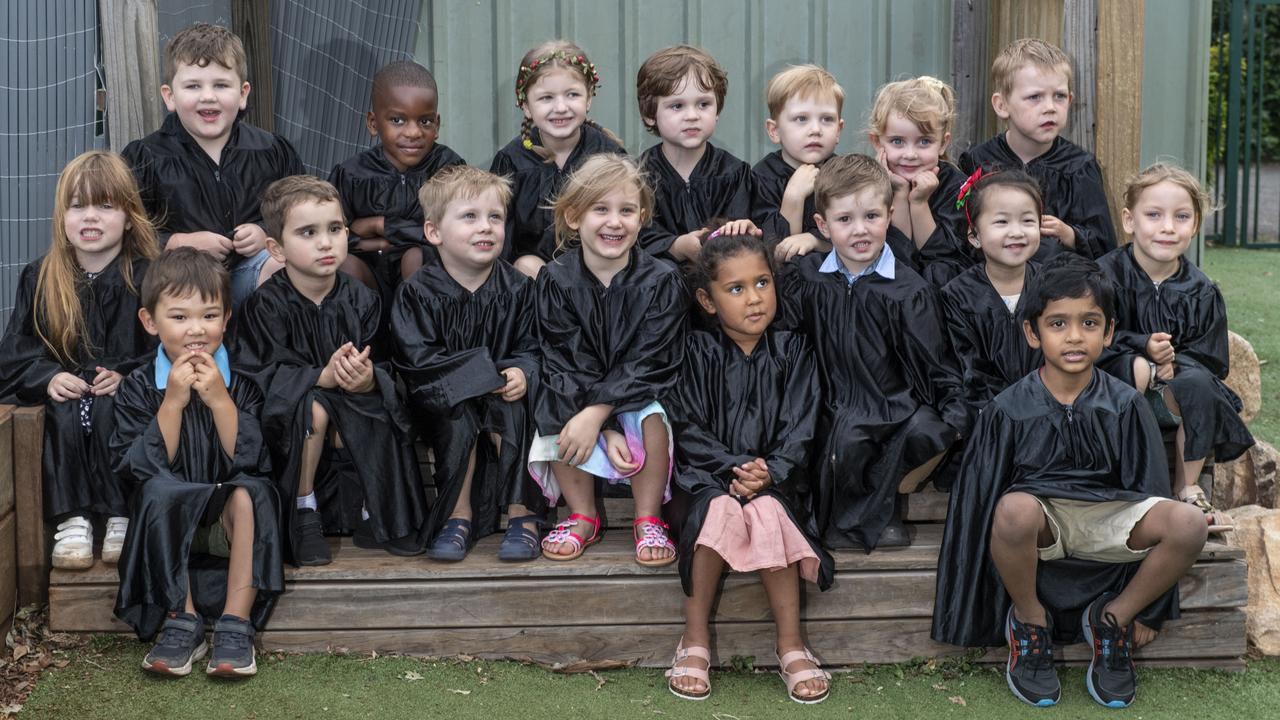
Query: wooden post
251, 20
32, 541
1014, 19
8, 519
1079, 40
970, 70
1119, 95
131, 61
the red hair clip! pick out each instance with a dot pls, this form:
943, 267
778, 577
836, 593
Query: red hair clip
962, 198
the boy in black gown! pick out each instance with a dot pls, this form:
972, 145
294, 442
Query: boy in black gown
379, 187
341, 439
465, 345
1062, 504
203, 536
1032, 80
892, 397
681, 92
202, 173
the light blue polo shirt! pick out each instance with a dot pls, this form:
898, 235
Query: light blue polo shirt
883, 266
164, 365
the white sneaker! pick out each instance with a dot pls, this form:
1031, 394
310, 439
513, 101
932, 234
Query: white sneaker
73, 544
113, 541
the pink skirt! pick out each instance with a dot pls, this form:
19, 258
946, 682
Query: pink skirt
757, 536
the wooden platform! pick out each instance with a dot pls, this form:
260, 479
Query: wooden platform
604, 607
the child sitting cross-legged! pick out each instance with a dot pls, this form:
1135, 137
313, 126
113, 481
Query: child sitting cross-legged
1062, 513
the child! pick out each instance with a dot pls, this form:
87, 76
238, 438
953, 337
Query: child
1064, 493
465, 346
681, 92
202, 173
1171, 328
610, 322
554, 87
379, 187
306, 337
985, 306
744, 410
1032, 80
203, 535
892, 398
804, 118
72, 337
910, 130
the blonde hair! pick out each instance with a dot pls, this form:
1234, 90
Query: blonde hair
542, 59
95, 177
926, 101
201, 44
844, 175
1168, 172
666, 69
286, 193
802, 81
459, 182
594, 179
1028, 51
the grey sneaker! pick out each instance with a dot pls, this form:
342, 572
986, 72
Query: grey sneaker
232, 649
180, 643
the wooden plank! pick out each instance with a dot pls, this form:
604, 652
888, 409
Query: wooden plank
6, 458
1119, 96
251, 21
1203, 638
970, 72
131, 62
1079, 40
33, 565
8, 566
1014, 19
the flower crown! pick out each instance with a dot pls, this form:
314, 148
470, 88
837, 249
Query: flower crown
578, 61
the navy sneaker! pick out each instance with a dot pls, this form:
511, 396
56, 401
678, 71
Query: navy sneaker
232, 649
1112, 679
311, 547
179, 645
1030, 672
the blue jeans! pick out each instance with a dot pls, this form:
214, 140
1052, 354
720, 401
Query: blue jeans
244, 277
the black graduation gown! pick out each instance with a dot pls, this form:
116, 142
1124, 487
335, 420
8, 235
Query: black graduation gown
171, 500
76, 467
619, 345
185, 191
1071, 183
891, 389
450, 346
534, 184
1105, 446
370, 186
947, 252
728, 408
1189, 307
283, 340
770, 176
720, 186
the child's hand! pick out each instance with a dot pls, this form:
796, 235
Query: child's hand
754, 476
794, 246
800, 186
213, 243
1050, 225
740, 227
208, 381
901, 186
329, 375
1160, 348
615, 444
106, 381
64, 386
1165, 371
369, 227
355, 370
182, 376
516, 385
923, 185
249, 239
687, 246
578, 437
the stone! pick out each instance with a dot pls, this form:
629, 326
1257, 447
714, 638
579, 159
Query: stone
1245, 377
1258, 533
1249, 479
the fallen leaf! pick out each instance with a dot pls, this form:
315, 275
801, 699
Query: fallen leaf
19, 652
958, 700
411, 676
459, 692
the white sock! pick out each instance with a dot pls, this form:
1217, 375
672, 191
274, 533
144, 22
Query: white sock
364, 514
307, 502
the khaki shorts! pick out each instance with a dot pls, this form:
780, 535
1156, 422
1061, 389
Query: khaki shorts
211, 540
1094, 530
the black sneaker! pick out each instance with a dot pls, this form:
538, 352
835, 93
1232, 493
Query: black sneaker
232, 655
312, 549
180, 643
1030, 672
406, 546
1112, 679
895, 534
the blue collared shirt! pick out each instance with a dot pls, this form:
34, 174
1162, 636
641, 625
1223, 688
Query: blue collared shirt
164, 365
883, 266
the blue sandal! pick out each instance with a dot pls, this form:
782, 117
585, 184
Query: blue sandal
452, 542
521, 543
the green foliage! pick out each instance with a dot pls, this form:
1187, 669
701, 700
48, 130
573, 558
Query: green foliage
1266, 81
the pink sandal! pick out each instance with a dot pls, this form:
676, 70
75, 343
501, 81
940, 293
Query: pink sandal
792, 679
564, 534
677, 671
653, 534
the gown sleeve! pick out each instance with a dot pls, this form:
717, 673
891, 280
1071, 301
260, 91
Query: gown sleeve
1143, 464
1090, 213
702, 458
568, 366
264, 353
25, 364
928, 361
798, 414
136, 443
1204, 338
650, 364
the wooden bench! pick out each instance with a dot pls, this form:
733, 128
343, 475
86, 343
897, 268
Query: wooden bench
605, 608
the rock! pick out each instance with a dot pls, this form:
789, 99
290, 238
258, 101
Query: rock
1245, 377
1258, 533
1248, 480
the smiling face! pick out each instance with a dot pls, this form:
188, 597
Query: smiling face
1162, 223
405, 121
856, 224
206, 99
609, 227
187, 323
313, 242
808, 129
1071, 332
909, 151
557, 103
1036, 107
470, 232
1008, 228
686, 118
742, 296
95, 231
